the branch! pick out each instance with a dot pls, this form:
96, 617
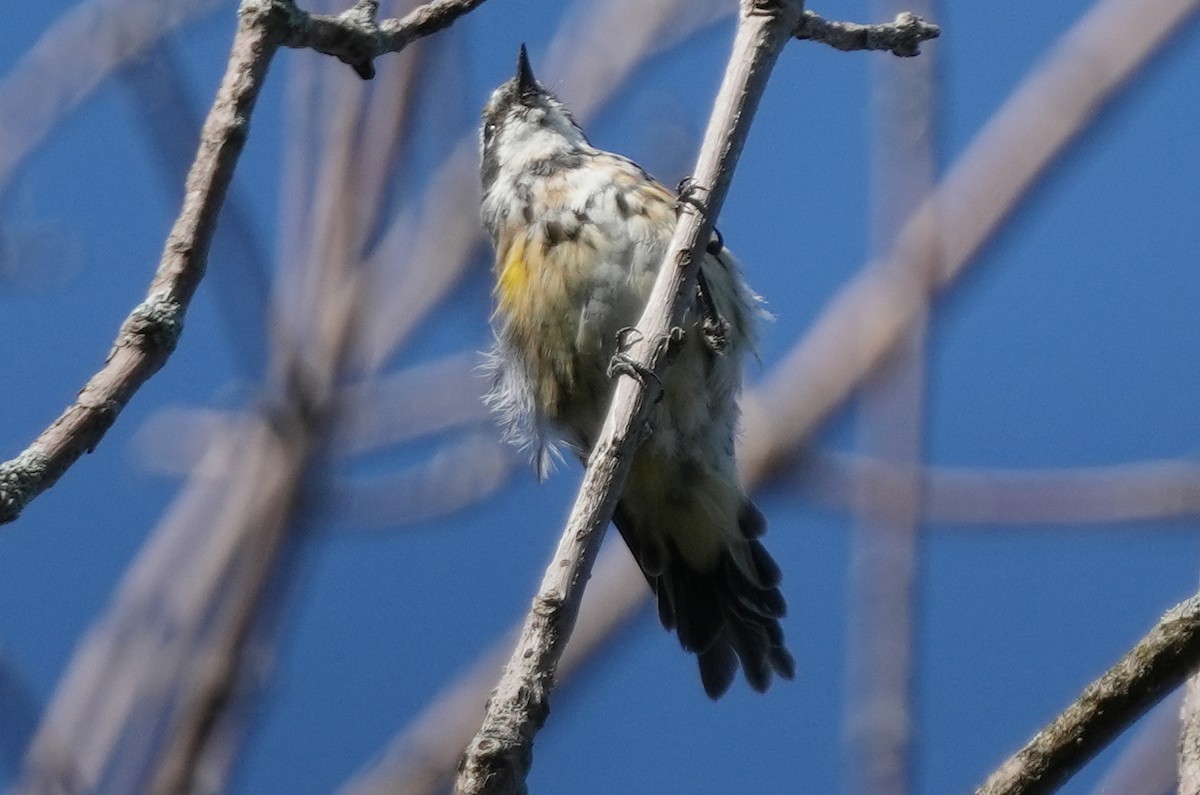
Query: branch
498, 759
149, 335
1158, 664
354, 38
902, 37
959, 497
241, 266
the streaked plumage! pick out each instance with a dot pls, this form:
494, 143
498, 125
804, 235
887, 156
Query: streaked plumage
579, 235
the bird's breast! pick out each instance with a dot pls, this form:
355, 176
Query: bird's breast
576, 260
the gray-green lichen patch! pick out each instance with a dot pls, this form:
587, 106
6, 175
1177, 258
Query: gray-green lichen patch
21, 479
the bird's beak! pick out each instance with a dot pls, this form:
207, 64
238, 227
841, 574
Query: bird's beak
526, 82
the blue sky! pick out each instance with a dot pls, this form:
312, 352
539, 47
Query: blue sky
1071, 342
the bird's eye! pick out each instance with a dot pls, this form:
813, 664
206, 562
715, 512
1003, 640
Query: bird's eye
489, 132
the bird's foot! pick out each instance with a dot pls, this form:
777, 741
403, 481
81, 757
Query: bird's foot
624, 364
687, 192
714, 327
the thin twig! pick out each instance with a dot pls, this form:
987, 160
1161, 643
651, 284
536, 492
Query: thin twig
1158, 664
902, 37
356, 39
498, 759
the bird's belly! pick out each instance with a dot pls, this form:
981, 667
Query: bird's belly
568, 347
563, 302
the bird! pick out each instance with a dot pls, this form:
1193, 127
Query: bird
579, 235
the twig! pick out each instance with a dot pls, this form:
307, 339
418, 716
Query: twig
498, 759
1158, 664
354, 37
902, 37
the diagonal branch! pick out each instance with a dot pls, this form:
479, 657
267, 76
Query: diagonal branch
149, 335
1158, 664
499, 757
240, 272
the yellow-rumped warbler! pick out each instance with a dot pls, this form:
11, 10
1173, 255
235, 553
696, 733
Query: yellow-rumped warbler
579, 235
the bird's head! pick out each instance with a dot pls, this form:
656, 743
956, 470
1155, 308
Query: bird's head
524, 123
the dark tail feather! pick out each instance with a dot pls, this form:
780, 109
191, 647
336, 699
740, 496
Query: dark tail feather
726, 615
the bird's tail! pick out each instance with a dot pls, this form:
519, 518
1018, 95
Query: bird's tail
725, 607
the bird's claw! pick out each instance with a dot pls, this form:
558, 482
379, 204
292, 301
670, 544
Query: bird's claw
714, 327
716, 333
686, 193
623, 364
627, 336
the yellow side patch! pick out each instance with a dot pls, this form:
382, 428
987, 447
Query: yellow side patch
514, 274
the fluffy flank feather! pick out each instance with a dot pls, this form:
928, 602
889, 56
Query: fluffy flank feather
511, 399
